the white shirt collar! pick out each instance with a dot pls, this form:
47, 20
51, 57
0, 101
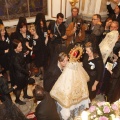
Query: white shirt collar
38, 102
59, 66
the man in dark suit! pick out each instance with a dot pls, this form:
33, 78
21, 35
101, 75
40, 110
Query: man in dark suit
54, 71
46, 108
56, 31
96, 28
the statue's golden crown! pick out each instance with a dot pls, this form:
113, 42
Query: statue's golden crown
76, 53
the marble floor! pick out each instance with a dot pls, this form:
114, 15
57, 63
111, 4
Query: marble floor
30, 106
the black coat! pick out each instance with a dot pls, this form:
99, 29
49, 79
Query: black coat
51, 77
18, 70
4, 90
46, 109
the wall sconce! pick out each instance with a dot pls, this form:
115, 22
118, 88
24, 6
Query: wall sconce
73, 2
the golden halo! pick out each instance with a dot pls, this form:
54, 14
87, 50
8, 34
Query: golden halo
76, 53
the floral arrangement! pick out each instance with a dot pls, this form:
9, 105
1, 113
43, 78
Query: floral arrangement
104, 111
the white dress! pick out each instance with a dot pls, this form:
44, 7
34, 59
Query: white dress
70, 90
107, 44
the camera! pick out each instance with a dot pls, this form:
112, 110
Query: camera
45, 34
78, 28
54, 37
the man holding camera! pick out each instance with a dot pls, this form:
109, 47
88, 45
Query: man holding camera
75, 32
56, 31
74, 16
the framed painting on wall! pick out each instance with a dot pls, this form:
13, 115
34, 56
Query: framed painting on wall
36, 6
17, 8
13, 9
3, 10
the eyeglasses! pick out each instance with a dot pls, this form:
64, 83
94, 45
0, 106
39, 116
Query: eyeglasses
94, 19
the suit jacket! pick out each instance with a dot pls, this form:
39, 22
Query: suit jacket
46, 109
51, 77
97, 30
52, 30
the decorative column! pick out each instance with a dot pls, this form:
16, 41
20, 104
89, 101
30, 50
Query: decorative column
94, 7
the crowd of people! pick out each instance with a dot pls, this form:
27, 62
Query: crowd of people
75, 59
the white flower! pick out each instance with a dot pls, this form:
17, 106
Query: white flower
34, 42
96, 119
112, 116
92, 65
28, 37
7, 40
92, 117
99, 112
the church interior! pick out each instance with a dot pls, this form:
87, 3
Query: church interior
60, 60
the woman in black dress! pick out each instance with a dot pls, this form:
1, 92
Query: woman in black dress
41, 29
4, 49
114, 91
94, 66
38, 50
18, 71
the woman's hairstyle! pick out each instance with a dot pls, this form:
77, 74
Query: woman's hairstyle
1, 28
32, 27
15, 43
61, 56
38, 93
109, 18
20, 21
21, 25
90, 45
39, 17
